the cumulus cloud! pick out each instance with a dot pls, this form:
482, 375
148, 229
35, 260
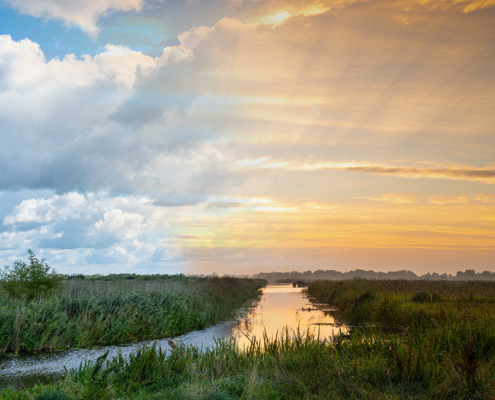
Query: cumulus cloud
57, 115
45, 210
229, 57
117, 233
24, 68
122, 224
119, 118
80, 13
96, 227
124, 120
76, 206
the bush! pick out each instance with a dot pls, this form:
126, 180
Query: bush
29, 281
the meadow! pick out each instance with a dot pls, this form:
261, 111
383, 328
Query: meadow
409, 340
88, 312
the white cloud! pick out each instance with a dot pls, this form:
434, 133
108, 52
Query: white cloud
100, 212
92, 123
80, 13
24, 68
46, 210
77, 230
56, 115
122, 122
127, 121
122, 224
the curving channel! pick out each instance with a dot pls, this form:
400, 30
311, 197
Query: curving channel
279, 306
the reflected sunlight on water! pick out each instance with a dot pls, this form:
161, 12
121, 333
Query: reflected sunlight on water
285, 306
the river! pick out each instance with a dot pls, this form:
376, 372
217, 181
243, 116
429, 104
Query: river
278, 307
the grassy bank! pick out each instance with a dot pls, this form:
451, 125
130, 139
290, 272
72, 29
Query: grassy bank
95, 312
368, 366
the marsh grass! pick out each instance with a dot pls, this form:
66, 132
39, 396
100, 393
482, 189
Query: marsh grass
88, 313
409, 305
437, 348
290, 365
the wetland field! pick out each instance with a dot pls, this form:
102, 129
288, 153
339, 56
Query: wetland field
399, 340
88, 312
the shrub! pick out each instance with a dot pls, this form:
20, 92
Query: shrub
29, 280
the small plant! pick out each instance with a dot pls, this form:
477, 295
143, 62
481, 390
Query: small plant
29, 280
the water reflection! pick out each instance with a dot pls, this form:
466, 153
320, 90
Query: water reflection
285, 306
280, 306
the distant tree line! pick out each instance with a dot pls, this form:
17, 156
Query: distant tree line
294, 276
114, 277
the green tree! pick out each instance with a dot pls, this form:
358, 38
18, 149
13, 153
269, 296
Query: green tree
29, 280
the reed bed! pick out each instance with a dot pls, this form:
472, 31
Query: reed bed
88, 313
330, 291
414, 306
76, 287
292, 365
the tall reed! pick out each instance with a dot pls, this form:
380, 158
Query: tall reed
89, 313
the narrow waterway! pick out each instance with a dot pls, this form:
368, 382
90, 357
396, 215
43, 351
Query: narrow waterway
278, 307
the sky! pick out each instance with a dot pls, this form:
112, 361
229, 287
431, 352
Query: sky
240, 136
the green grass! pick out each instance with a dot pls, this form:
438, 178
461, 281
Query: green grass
403, 345
291, 366
88, 313
415, 306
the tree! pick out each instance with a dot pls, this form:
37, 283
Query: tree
29, 280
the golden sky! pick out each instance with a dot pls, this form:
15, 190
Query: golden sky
366, 126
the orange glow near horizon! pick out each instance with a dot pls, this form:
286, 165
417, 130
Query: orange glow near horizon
433, 224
